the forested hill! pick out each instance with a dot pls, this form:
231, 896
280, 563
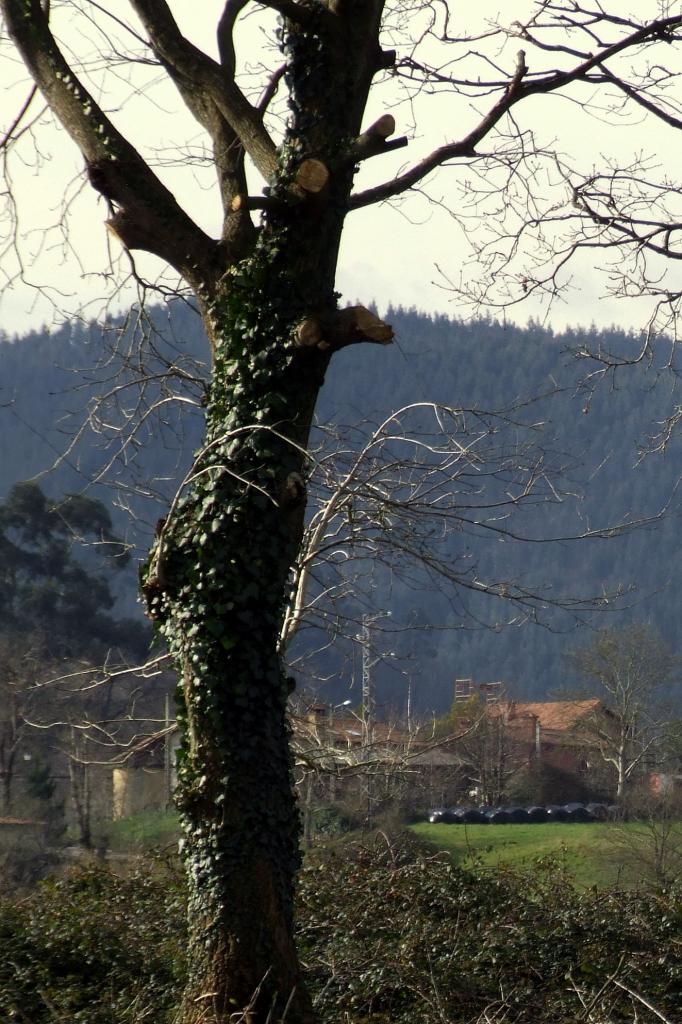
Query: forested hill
47, 393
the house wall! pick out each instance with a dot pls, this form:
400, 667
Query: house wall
135, 791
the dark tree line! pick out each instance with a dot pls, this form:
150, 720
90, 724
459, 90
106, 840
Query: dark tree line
48, 378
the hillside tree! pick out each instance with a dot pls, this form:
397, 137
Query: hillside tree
218, 575
19, 694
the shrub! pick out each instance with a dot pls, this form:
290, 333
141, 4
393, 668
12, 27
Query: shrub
389, 935
331, 821
401, 937
93, 948
542, 783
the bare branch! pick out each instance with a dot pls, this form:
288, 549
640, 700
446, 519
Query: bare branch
516, 90
375, 140
115, 167
225, 34
639, 98
270, 89
466, 147
634, 994
193, 70
11, 133
349, 326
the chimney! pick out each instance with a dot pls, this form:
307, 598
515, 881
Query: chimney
463, 690
492, 693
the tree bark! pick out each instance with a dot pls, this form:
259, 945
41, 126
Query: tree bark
80, 796
224, 559
8, 753
217, 583
6, 790
621, 773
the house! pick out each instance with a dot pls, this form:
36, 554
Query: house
491, 741
529, 750
560, 733
665, 785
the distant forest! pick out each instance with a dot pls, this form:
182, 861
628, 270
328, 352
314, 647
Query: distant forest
595, 426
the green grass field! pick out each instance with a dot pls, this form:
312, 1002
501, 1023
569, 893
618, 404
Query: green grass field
605, 855
602, 854
152, 830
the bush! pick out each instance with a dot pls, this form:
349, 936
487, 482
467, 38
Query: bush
389, 935
413, 939
93, 948
651, 841
542, 783
331, 821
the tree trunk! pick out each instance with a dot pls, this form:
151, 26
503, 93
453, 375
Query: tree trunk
7, 779
9, 746
5, 791
80, 797
620, 786
307, 789
217, 582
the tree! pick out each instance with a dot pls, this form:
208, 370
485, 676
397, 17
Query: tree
632, 666
489, 752
18, 699
218, 575
47, 588
54, 607
652, 842
671, 746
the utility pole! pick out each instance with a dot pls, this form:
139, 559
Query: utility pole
367, 689
368, 702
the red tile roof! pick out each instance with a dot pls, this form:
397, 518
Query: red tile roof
559, 715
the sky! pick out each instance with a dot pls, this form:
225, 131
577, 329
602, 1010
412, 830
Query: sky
403, 255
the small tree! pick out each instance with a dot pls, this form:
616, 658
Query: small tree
541, 783
19, 658
489, 753
651, 841
54, 607
633, 667
671, 745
